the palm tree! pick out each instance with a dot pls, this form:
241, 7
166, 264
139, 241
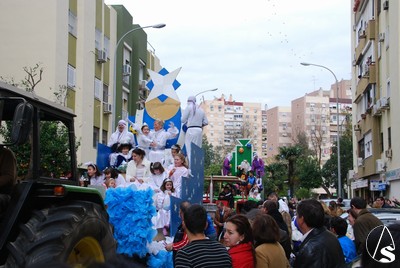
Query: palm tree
290, 155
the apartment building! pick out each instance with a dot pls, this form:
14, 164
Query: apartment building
375, 89
74, 42
279, 129
230, 120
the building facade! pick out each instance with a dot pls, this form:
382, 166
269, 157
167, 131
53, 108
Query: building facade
375, 88
279, 129
230, 120
74, 42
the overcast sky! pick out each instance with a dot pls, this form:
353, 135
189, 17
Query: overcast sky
250, 49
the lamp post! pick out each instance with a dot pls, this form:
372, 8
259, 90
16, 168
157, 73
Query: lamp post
161, 25
214, 89
339, 190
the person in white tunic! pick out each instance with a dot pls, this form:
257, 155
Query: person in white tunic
138, 170
144, 137
157, 176
178, 171
163, 205
121, 134
160, 137
195, 119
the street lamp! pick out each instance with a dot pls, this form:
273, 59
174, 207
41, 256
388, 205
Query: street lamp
215, 89
339, 190
157, 26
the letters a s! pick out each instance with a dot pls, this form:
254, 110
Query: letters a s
386, 251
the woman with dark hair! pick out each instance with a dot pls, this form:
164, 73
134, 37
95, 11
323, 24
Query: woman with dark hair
94, 175
239, 238
138, 170
269, 253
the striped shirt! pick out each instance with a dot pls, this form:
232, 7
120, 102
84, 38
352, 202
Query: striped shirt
203, 253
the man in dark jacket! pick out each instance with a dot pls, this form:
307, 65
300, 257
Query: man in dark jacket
319, 247
366, 221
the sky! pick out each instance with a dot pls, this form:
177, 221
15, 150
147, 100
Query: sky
251, 50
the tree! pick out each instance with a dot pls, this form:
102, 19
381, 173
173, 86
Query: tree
54, 137
276, 174
329, 170
290, 155
212, 159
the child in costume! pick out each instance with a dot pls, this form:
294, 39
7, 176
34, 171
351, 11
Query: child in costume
163, 205
157, 176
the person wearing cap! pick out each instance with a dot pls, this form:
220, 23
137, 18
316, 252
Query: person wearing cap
195, 119
121, 134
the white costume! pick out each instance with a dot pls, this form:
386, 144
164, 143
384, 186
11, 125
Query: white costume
195, 119
97, 180
163, 208
176, 174
132, 171
160, 137
142, 139
118, 136
156, 181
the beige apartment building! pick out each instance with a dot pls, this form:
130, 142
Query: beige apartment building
74, 42
229, 120
279, 129
376, 95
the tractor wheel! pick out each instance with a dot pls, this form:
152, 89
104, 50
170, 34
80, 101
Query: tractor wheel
75, 234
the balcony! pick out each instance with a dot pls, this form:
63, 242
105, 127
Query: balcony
359, 49
367, 79
370, 30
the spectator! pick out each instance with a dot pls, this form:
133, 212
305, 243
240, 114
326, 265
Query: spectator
339, 228
319, 247
227, 195
160, 136
283, 209
365, 222
221, 215
121, 133
226, 166
381, 202
239, 239
210, 231
195, 119
339, 202
200, 252
269, 253
334, 209
271, 208
180, 238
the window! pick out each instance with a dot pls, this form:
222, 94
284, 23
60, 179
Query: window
390, 137
71, 76
104, 137
368, 144
98, 87
105, 93
72, 23
96, 133
106, 45
97, 40
381, 142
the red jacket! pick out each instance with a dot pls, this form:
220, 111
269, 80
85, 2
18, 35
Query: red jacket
242, 255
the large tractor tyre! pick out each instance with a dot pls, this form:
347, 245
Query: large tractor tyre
75, 234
